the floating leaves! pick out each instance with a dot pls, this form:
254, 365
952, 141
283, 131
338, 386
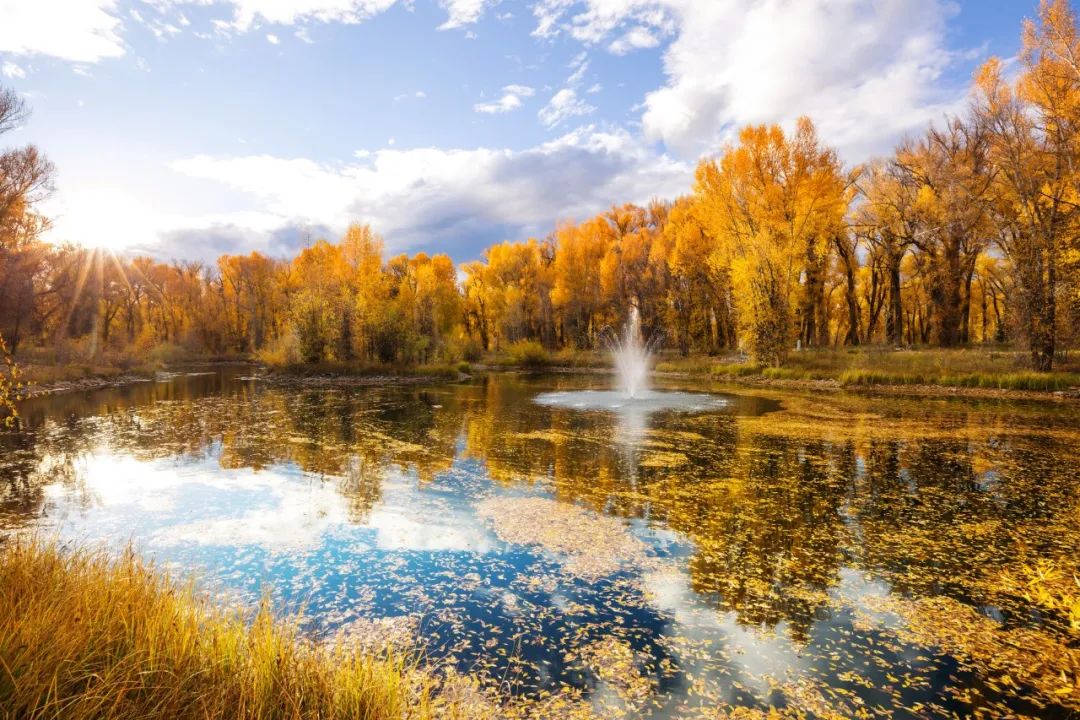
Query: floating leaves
838, 556
589, 545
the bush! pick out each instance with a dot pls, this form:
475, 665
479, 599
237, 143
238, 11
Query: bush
281, 351
165, 353
471, 350
528, 353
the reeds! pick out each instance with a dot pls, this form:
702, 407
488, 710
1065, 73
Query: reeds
83, 635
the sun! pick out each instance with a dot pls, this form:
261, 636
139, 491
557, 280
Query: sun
103, 218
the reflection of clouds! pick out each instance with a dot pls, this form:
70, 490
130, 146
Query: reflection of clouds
410, 519
105, 480
284, 513
756, 655
754, 652
276, 508
760, 655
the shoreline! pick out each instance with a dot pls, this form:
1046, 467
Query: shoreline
926, 390
37, 390
296, 377
376, 379
923, 390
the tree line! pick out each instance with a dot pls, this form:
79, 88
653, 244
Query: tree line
967, 233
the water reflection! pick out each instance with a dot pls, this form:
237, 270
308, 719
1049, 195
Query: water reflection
760, 551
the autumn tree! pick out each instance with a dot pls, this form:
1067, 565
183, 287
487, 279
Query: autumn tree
1032, 128
774, 202
25, 180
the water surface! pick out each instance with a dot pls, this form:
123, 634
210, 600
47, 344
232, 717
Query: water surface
827, 556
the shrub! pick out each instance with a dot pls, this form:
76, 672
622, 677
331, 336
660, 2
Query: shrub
528, 353
281, 351
165, 353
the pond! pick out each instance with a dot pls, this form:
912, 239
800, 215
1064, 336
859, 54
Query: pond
825, 555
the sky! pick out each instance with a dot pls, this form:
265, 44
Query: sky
185, 129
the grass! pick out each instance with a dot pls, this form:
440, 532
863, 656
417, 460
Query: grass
85, 636
71, 361
966, 368
47, 374
1043, 382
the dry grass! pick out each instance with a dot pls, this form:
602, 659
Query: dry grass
85, 636
966, 367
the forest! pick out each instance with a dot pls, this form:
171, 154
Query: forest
966, 234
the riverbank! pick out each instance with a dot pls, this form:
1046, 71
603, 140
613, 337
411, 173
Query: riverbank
37, 379
967, 372
971, 372
352, 375
83, 384
925, 372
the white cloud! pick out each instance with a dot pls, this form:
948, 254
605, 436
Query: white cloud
463, 12
510, 100
866, 71
76, 30
580, 66
438, 198
601, 17
563, 105
417, 95
248, 13
11, 70
272, 39
636, 38
290, 12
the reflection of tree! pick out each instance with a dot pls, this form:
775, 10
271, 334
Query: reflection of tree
361, 484
950, 516
769, 537
353, 436
774, 506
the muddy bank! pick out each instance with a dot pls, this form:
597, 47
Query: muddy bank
279, 379
80, 385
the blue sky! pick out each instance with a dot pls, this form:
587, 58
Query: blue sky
187, 128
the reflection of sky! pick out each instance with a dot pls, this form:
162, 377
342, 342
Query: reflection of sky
166, 503
417, 547
420, 550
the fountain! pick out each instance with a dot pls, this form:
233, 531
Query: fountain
633, 400
631, 356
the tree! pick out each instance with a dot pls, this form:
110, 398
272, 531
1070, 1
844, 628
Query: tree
25, 180
1032, 127
774, 203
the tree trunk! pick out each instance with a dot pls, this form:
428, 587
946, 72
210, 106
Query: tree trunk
894, 314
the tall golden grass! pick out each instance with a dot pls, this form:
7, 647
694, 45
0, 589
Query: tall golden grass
965, 367
83, 635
